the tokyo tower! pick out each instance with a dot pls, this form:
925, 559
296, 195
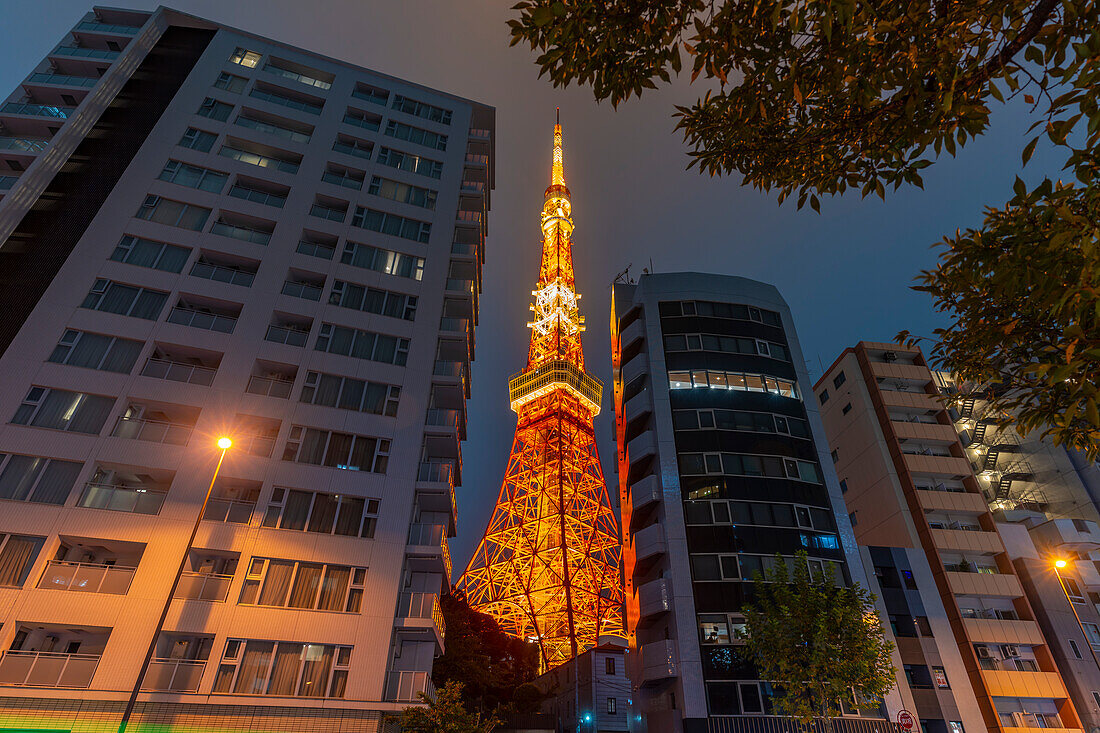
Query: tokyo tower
547, 568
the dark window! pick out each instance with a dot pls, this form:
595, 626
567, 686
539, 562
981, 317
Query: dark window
1076, 651
839, 380
923, 626
611, 701
844, 486
847, 409
610, 665
835, 456
823, 397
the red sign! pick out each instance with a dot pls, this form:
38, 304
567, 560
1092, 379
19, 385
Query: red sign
905, 720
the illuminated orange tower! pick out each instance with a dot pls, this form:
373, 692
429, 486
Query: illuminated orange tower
547, 568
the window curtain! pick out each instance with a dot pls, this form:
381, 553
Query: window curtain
122, 355
276, 583
89, 350
324, 512
56, 482
296, 510
19, 476
16, 558
328, 388
91, 414
284, 675
306, 582
334, 588
351, 515
252, 675
148, 305
317, 663
56, 405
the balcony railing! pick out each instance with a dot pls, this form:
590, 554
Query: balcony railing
203, 587
475, 187
345, 181
464, 249
408, 686
422, 605
85, 53
24, 144
365, 123
87, 577
436, 472
468, 216
480, 132
232, 511
66, 80
222, 274
316, 249
257, 444
36, 110
175, 371
154, 431
306, 291
449, 369
476, 158
134, 499
6, 182
259, 197
324, 212
300, 105
270, 387
460, 325
356, 150
92, 25
245, 234
288, 336
47, 669
270, 129
295, 76
440, 417
199, 319
174, 675
458, 285
264, 161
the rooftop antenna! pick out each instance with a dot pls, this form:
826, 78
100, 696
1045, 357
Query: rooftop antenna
557, 115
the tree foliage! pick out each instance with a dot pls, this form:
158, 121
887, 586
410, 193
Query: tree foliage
447, 713
490, 664
819, 97
816, 641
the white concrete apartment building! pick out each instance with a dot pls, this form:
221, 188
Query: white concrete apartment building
202, 233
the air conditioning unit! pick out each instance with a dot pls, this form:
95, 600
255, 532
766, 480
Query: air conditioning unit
983, 651
1010, 650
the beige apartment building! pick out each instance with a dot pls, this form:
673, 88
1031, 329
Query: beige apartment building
207, 233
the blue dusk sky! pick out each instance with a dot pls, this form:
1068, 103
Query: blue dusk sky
846, 272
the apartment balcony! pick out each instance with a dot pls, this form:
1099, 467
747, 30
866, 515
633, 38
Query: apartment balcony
1045, 729
654, 599
184, 316
47, 669
644, 495
926, 432
475, 160
481, 134
269, 386
649, 547
910, 400
223, 274
1075, 535
448, 421
27, 109
645, 445
408, 686
952, 501
174, 675
983, 584
82, 577
176, 371
7, 182
465, 252
968, 541
428, 550
154, 431
1015, 683
1002, 631
212, 587
949, 466
897, 370
631, 334
435, 489
27, 147
638, 406
451, 373
79, 52
420, 612
109, 29
658, 662
122, 498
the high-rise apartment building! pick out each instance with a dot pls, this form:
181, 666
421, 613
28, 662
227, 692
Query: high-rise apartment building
908, 484
203, 233
722, 464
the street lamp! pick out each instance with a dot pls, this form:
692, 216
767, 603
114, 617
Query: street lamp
1060, 564
224, 443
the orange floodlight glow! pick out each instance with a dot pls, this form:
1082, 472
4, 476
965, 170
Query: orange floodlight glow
225, 443
547, 568
1059, 564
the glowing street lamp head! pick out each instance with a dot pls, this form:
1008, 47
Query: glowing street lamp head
225, 443
1059, 564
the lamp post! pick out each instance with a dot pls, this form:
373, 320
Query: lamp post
224, 444
1058, 565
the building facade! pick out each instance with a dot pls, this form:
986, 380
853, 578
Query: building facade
203, 233
722, 464
908, 484
590, 692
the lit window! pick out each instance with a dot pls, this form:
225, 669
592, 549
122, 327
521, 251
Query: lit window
246, 58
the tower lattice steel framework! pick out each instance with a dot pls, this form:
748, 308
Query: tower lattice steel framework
547, 568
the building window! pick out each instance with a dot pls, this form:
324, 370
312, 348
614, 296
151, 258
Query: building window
823, 397
844, 486
362, 344
37, 479
852, 519
733, 311
611, 706
386, 261
737, 381
173, 213
725, 345
1076, 651
17, 555
416, 135
215, 110
402, 192
392, 224
1073, 590
317, 511
733, 464
288, 669
609, 665
246, 58
411, 163
714, 629
231, 83
939, 676
193, 176
338, 450
59, 409
198, 140
1092, 635
96, 351
373, 300
312, 586
846, 409
348, 393
127, 300
918, 676
956, 726
923, 626
147, 253
1096, 698
835, 456
839, 380
422, 109
751, 422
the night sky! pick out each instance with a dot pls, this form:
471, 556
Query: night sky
846, 273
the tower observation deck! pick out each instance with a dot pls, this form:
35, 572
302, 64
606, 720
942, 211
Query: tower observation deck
547, 568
